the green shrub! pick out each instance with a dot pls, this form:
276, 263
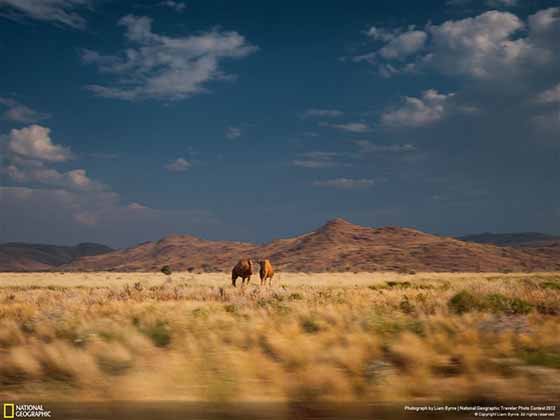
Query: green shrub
231, 308
497, 302
310, 326
159, 333
406, 306
463, 302
519, 306
399, 284
548, 308
550, 285
166, 270
542, 357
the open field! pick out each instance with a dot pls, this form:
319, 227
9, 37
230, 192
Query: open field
380, 337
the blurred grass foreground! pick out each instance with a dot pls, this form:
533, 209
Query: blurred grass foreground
310, 340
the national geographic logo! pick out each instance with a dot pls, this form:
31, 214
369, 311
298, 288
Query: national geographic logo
20, 411
9, 410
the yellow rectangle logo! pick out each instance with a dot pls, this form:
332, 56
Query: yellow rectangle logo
9, 410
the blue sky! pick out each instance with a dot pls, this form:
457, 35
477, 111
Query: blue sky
124, 121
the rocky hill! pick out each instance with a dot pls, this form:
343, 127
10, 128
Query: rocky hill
336, 246
181, 252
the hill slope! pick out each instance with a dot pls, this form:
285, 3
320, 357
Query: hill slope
16, 256
181, 252
521, 240
336, 246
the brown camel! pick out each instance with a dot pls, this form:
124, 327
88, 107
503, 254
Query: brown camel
266, 272
243, 269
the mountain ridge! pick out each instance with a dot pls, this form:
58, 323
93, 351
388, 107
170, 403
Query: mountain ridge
338, 245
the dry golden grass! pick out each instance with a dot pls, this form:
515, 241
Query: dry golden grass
309, 337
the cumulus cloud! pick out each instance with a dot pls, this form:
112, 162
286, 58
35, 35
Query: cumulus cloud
178, 6
543, 25
29, 154
325, 113
34, 142
59, 12
71, 204
352, 127
233, 132
550, 96
163, 67
76, 180
17, 112
97, 215
404, 45
430, 108
316, 160
346, 183
490, 46
479, 47
381, 34
137, 206
178, 165
548, 119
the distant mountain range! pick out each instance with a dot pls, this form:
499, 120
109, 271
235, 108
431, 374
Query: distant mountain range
16, 256
336, 246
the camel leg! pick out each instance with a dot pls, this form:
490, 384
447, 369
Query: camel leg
233, 281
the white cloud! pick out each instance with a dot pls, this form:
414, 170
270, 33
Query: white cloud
544, 29
325, 113
178, 6
37, 172
78, 179
551, 95
369, 147
98, 216
352, 127
137, 206
491, 46
34, 142
479, 47
381, 34
404, 45
178, 165
163, 67
17, 112
316, 160
346, 183
233, 132
30, 151
59, 12
430, 108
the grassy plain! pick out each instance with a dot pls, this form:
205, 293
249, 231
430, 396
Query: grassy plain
376, 337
